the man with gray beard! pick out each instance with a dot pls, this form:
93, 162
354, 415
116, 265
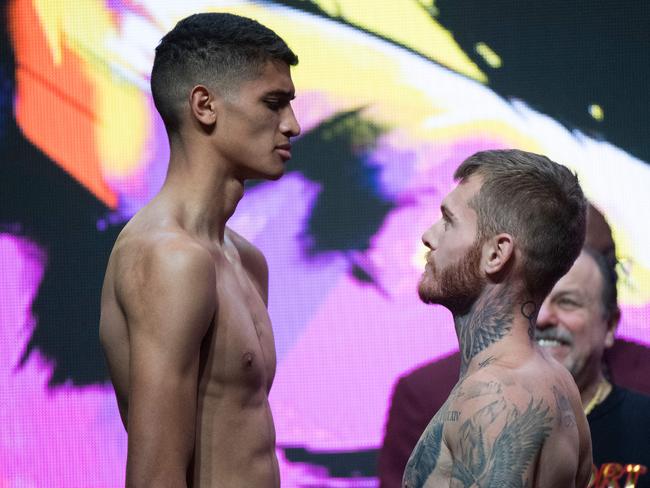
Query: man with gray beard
576, 324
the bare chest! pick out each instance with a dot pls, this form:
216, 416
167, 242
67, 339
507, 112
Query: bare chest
426, 466
239, 350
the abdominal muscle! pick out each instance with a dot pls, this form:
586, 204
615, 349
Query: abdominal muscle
235, 442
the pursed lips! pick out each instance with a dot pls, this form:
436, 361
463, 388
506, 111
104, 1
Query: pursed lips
284, 150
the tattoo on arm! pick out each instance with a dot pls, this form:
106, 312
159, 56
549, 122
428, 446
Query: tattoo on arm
504, 462
565, 416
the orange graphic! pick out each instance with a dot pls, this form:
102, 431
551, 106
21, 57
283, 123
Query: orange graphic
54, 102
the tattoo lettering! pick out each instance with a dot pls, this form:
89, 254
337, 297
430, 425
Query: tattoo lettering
486, 362
452, 416
504, 462
566, 418
489, 319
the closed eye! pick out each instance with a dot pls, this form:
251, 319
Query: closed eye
273, 104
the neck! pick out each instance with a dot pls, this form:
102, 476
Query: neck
497, 324
590, 390
203, 191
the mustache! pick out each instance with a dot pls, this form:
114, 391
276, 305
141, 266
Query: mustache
554, 333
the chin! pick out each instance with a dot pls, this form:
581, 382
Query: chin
267, 175
427, 293
276, 170
277, 176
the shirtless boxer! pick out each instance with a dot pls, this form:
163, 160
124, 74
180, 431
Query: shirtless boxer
510, 229
184, 323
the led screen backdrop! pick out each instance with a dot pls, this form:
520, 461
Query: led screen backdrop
391, 96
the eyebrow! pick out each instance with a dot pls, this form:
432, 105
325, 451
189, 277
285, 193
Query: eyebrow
572, 292
446, 212
282, 93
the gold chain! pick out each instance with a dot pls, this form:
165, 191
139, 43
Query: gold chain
604, 387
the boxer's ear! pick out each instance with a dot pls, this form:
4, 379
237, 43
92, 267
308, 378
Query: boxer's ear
612, 325
498, 254
203, 106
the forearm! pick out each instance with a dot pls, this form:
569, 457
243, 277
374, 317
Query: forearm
164, 463
178, 479
161, 433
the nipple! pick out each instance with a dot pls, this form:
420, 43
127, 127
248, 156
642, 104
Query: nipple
248, 359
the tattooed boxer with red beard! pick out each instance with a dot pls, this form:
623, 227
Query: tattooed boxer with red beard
510, 229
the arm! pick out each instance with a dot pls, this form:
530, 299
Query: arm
585, 454
170, 301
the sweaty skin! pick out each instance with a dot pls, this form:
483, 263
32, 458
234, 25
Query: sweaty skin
184, 321
514, 419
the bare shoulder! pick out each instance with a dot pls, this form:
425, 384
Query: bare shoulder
512, 425
570, 445
161, 271
500, 428
252, 260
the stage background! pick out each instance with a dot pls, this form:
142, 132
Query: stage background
392, 96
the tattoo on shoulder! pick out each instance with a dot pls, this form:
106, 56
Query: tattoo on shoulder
565, 416
503, 462
487, 322
480, 388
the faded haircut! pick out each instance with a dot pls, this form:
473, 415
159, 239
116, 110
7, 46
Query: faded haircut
214, 49
538, 202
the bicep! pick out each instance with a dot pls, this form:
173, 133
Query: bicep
585, 454
168, 313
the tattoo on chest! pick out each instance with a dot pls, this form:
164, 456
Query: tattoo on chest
424, 458
452, 416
